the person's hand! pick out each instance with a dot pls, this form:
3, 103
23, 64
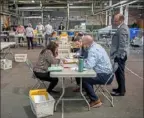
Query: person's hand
75, 56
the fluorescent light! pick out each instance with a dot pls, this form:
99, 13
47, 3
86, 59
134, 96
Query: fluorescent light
33, 1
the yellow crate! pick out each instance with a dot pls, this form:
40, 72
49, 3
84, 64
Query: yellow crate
44, 92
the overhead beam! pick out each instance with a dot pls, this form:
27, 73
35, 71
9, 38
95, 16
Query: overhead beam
120, 4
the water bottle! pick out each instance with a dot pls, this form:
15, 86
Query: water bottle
81, 64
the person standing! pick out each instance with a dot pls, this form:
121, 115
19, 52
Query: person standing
48, 32
119, 52
40, 29
29, 35
20, 30
61, 27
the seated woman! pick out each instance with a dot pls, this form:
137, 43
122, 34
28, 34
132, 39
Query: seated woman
81, 50
46, 58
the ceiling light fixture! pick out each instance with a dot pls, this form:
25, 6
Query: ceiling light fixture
33, 1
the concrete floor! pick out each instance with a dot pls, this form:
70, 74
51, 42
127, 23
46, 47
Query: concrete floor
16, 83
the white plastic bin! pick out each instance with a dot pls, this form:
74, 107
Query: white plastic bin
20, 57
43, 109
6, 64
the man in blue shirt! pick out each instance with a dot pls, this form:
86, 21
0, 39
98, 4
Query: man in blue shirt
99, 61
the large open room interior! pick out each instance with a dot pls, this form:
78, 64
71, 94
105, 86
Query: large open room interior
71, 58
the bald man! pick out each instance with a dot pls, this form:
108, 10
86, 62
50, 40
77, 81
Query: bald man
99, 61
119, 51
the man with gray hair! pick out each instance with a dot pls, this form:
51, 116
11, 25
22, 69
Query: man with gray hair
119, 52
99, 61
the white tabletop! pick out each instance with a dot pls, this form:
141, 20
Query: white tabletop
6, 44
68, 72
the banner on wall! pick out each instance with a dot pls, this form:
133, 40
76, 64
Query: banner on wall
5, 21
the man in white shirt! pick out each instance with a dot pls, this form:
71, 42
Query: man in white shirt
40, 29
48, 32
29, 35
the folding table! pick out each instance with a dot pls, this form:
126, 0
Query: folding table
67, 73
5, 48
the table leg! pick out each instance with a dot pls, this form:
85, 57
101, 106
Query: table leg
62, 108
10, 52
63, 91
83, 94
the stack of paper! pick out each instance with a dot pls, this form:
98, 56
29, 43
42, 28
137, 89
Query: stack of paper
39, 98
70, 60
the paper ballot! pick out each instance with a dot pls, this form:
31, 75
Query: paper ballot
39, 98
76, 68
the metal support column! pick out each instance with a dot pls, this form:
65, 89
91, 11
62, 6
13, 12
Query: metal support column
121, 9
22, 19
0, 24
67, 16
126, 14
41, 11
106, 20
42, 16
110, 14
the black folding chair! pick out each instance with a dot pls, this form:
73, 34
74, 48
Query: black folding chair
39, 82
102, 89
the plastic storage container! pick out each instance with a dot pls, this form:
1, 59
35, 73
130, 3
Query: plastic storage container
20, 57
6, 64
44, 108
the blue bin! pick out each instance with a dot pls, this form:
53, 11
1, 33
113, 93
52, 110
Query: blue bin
70, 34
133, 33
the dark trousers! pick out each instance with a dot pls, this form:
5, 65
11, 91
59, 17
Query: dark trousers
46, 77
40, 39
6, 39
19, 39
120, 74
88, 83
77, 81
47, 39
30, 40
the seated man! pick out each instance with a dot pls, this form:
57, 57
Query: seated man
99, 61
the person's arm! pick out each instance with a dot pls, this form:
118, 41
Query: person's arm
123, 40
24, 30
51, 59
91, 60
33, 32
43, 28
17, 30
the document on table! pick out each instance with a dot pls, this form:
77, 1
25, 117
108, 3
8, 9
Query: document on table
70, 60
76, 68
39, 98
